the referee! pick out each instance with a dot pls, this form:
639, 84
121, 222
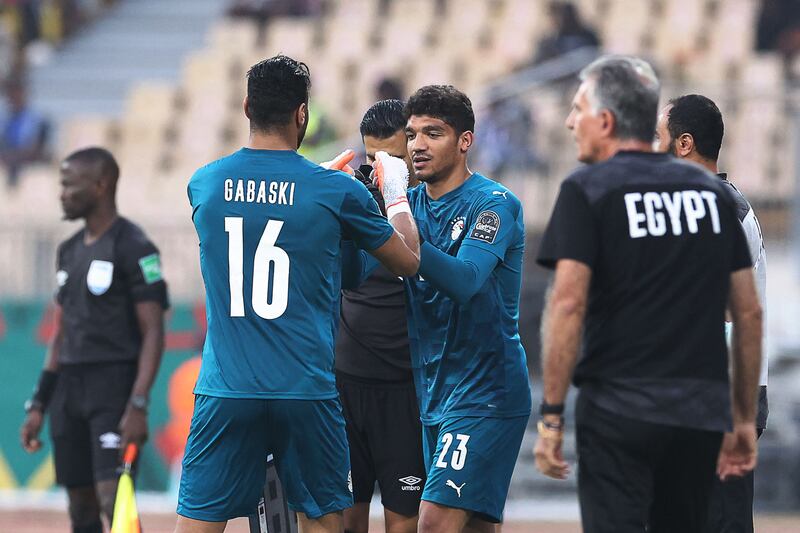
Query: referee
691, 128
647, 252
373, 370
108, 342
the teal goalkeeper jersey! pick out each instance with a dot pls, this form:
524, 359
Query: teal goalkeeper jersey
468, 359
270, 225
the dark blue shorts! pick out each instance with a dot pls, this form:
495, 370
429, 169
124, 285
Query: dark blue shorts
224, 466
470, 462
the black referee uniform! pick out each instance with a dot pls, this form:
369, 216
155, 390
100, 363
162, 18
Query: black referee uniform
376, 388
661, 238
98, 287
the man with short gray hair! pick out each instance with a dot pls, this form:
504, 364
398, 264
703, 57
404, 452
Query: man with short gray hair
647, 252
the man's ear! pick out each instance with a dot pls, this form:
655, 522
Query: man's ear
465, 141
609, 124
245, 105
302, 115
684, 144
102, 185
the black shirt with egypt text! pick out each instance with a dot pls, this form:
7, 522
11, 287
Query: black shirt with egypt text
99, 285
661, 237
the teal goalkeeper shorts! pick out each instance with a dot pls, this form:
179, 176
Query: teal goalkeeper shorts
224, 466
470, 462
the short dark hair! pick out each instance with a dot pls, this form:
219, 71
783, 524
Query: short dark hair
276, 87
629, 89
444, 102
100, 158
383, 119
699, 117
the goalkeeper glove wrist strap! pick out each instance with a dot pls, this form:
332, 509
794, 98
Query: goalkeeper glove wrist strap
399, 206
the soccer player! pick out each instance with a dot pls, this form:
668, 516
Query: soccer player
691, 128
271, 226
649, 251
107, 345
469, 365
373, 370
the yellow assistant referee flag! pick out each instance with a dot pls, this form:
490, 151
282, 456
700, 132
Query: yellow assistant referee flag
126, 517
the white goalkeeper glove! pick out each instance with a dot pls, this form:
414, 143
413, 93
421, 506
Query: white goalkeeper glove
391, 177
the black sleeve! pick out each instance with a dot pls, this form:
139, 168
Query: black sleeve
741, 257
571, 232
141, 263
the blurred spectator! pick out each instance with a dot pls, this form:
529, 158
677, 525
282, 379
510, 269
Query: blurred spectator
568, 33
28, 20
29, 29
389, 89
778, 29
504, 139
23, 133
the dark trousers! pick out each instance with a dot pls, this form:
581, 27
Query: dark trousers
635, 476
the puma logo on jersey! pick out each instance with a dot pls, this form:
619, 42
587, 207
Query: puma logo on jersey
652, 213
455, 487
501, 193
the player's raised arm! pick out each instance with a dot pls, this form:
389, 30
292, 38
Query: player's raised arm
400, 253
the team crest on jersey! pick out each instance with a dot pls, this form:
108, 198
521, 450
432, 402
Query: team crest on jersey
99, 277
458, 228
486, 227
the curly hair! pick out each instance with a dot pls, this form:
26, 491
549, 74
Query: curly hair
276, 87
444, 102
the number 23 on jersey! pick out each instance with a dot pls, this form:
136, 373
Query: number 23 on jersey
459, 457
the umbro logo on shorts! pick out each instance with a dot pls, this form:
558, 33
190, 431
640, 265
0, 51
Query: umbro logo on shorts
109, 441
410, 483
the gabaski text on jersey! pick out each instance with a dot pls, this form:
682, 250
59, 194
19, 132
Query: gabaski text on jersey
259, 191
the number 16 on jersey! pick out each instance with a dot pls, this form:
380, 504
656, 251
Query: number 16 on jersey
269, 260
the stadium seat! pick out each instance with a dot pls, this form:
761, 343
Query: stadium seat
624, 27
233, 35
81, 132
289, 36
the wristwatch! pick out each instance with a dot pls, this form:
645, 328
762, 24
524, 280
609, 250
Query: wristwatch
139, 401
31, 404
549, 431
